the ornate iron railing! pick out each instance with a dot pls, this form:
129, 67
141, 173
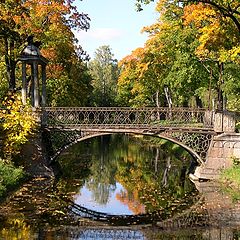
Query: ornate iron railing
123, 117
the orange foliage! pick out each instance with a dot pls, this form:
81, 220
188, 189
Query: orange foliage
49, 53
199, 14
132, 202
55, 71
209, 24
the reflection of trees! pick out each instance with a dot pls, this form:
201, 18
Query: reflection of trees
166, 170
152, 172
75, 164
156, 178
92, 160
103, 169
131, 201
19, 229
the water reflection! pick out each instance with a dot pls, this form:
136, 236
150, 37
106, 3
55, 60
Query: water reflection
131, 176
112, 203
142, 175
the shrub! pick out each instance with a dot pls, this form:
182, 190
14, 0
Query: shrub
9, 176
18, 124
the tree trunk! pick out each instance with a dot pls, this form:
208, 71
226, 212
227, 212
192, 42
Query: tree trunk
199, 102
158, 104
219, 90
10, 64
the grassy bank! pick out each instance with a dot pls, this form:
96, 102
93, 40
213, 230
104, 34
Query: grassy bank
230, 179
10, 177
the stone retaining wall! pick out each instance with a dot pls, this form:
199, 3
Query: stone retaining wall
224, 148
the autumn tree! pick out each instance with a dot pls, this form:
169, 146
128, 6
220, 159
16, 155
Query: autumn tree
228, 9
131, 92
51, 23
218, 43
167, 61
10, 13
104, 71
140, 80
200, 40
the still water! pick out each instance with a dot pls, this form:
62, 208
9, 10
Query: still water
121, 187
130, 176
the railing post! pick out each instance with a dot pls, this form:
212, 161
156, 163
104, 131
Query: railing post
43, 117
24, 84
208, 118
224, 122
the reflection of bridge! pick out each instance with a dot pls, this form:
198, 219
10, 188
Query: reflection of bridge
193, 129
213, 216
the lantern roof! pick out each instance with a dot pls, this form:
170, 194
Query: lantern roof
31, 53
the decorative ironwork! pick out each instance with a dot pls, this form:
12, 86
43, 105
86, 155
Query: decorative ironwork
61, 139
198, 142
107, 233
111, 117
191, 127
139, 219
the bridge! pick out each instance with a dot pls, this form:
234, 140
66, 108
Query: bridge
199, 131
190, 128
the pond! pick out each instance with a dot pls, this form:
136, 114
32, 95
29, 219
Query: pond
121, 187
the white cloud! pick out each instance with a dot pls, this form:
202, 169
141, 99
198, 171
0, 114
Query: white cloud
100, 34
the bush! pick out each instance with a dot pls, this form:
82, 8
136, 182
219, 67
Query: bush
18, 124
9, 176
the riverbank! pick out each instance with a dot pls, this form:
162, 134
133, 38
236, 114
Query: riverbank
230, 181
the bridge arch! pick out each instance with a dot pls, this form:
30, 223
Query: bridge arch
84, 135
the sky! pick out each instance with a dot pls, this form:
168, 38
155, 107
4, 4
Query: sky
115, 23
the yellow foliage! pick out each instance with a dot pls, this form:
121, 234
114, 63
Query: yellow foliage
19, 230
18, 123
214, 33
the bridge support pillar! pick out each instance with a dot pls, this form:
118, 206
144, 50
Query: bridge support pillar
224, 148
35, 158
224, 122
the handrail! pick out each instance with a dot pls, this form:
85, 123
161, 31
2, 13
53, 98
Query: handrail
116, 117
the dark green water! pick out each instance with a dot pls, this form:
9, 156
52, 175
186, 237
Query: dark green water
120, 187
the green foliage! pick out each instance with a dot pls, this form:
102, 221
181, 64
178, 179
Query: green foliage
63, 91
104, 72
139, 4
230, 179
236, 161
3, 81
18, 124
192, 50
9, 176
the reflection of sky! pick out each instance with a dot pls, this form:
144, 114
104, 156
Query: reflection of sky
110, 234
85, 198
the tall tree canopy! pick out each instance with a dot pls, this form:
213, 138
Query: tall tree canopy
104, 71
51, 22
193, 49
228, 9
